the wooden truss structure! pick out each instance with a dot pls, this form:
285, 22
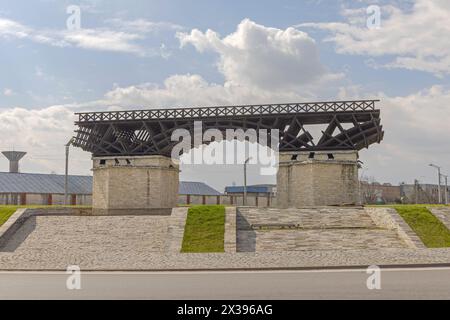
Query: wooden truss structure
348, 125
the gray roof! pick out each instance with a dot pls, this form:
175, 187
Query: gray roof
250, 189
54, 184
257, 188
43, 183
197, 188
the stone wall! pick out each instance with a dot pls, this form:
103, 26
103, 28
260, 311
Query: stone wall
252, 200
134, 184
230, 230
442, 213
318, 179
388, 218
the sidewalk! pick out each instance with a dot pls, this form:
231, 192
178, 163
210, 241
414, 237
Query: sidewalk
139, 261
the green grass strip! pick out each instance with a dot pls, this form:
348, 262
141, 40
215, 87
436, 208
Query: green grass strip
205, 230
430, 229
6, 212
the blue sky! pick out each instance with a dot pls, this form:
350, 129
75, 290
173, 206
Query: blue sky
80, 75
156, 53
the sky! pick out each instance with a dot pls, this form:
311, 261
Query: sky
163, 54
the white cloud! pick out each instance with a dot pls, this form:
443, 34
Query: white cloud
143, 25
416, 125
263, 57
41, 133
104, 40
419, 115
259, 64
417, 130
101, 39
416, 37
9, 28
8, 92
193, 90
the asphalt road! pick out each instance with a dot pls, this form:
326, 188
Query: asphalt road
345, 284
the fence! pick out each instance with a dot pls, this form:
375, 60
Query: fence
233, 200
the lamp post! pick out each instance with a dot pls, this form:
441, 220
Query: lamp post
245, 180
446, 188
439, 182
360, 191
66, 176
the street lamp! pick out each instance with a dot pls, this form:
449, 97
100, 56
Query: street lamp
446, 188
439, 182
66, 177
361, 166
245, 180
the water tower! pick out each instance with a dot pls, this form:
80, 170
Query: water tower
14, 158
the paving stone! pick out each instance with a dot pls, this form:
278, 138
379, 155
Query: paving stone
443, 214
72, 234
136, 243
147, 261
318, 229
176, 230
306, 218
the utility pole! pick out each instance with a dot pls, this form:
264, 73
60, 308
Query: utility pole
362, 200
66, 177
416, 191
439, 182
446, 188
245, 180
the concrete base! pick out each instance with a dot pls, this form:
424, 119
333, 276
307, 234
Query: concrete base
134, 185
317, 179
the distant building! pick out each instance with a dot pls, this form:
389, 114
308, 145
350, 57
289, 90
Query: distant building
197, 189
197, 193
48, 189
257, 195
254, 190
377, 193
422, 193
43, 189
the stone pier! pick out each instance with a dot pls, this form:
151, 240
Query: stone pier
322, 178
134, 185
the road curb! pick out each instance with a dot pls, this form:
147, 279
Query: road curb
327, 268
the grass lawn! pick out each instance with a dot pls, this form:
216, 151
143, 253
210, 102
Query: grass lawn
430, 229
205, 230
6, 212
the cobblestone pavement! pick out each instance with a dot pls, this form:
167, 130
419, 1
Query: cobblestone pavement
314, 218
289, 240
139, 243
442, 214
90, 235
150, 261
177, 222
262, 229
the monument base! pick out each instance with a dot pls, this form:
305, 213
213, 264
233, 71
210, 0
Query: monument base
307, 179
134, 185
